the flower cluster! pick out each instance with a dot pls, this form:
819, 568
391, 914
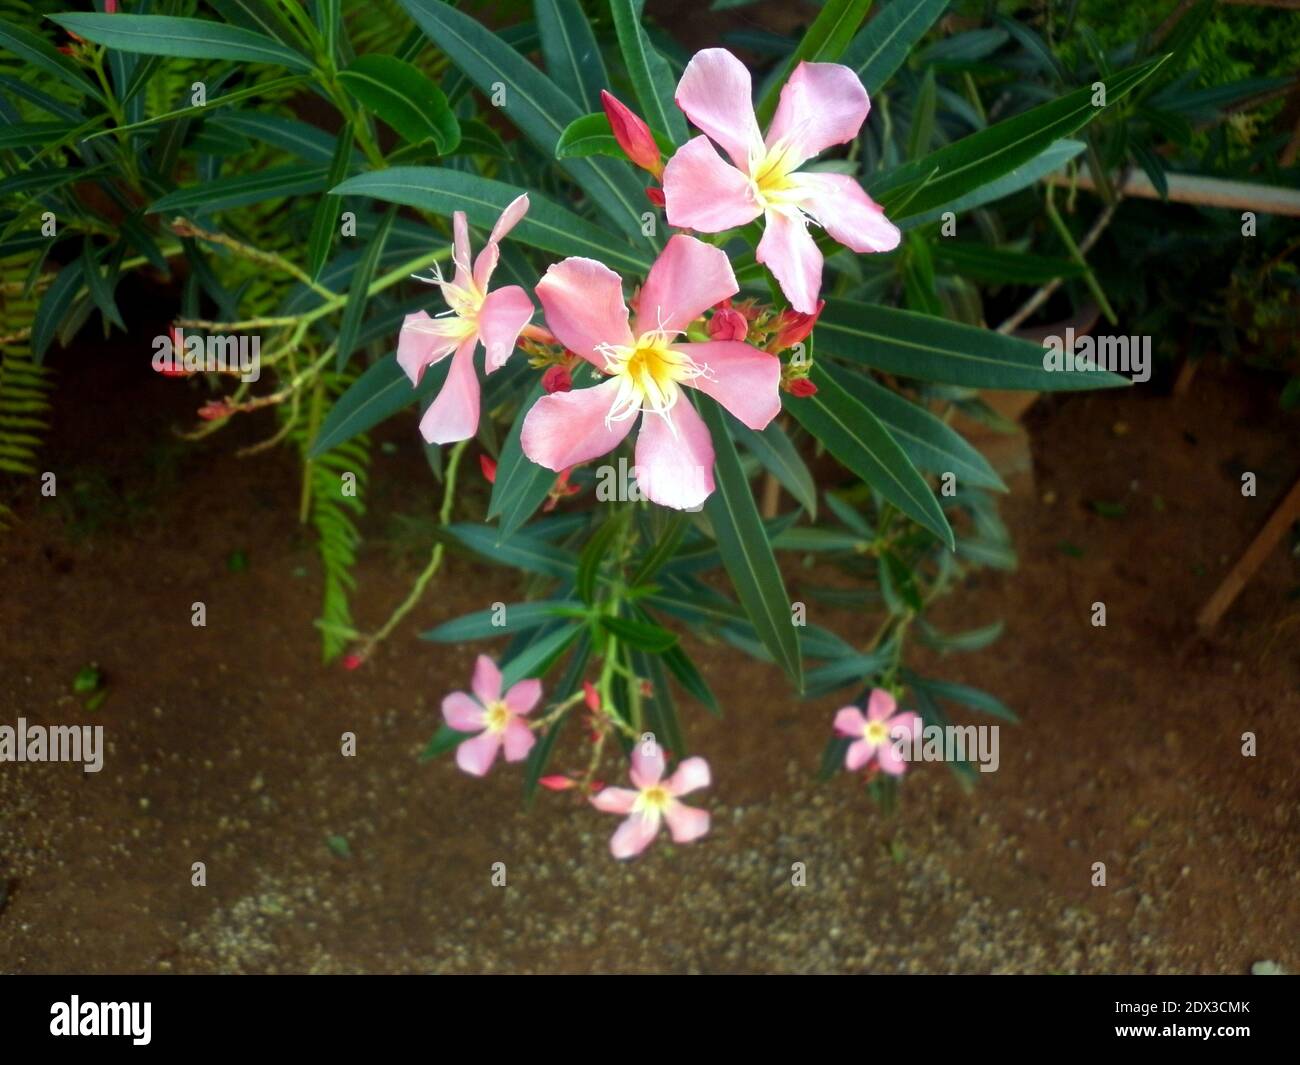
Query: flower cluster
645, 359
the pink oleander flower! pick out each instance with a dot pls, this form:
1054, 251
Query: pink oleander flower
475, 314
497, 719
876, 734
822, 104
647, 368
654, 800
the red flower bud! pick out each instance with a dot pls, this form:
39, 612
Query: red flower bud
802, 387
558, 782
728, 324
351, 661
110, 7
489, 467
557, 379
655, 195
794, 326
592, 696
215, 411
632, 134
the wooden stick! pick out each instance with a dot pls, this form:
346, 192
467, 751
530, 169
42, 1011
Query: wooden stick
1253, 557
1192, 188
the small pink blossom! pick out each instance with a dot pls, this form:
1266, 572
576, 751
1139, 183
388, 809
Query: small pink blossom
497, 719
822, 104
653, 799
496, 318
879, 735
647, 370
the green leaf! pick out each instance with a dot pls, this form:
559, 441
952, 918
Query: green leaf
521, 485
886, 41
970, 640
241, 190
930, 349
746, 552
381, 391
573, 58
961, 693
660, 709
518, 617
593, 553
540, 755
953, 171
664, 549
359, 292
930, 443
38, 52
545, 226
1001, 265
327, 217
644, 635
690, 678
539, 656
188, 38
591, 135
404, 98
54, 307
825, 42
651, 76
857, 439
520, 551
100, 287
533, 103
778, 456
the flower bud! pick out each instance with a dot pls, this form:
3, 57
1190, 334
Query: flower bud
632, 134
557, 782
802, 387
728, 324
489, 467
557, 379
794, 326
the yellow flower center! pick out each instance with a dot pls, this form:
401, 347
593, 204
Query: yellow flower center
497, 716
653, 800
770, 176
876, 733
648, 374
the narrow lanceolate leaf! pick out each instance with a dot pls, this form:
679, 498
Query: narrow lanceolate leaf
825, 42
54, 307
38, 52
651, 76
644, 635
521, 551
242, 190
510, 620
573, 59
937, 179
1002, 265
746, 552
521, 485
359, 292
885, 42
930, 349
778, 456
189, 38
533, 103
326, 220
539, 656
379, 393
540, 756
404, 98
593, 554
961, 693
857, 439
928, 442
545, 226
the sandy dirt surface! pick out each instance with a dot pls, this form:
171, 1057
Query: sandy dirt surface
224, 742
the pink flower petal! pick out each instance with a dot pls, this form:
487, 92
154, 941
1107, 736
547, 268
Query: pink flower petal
686, 280
822, 104
881, 705
518, 739
858, 755
460, 251
477, 755
424, 341
485, 265
647, 763
615, 800
717, 95
674, 457
908, 723
686, 823
691, 775
634, 835
583, 303
453, 415
703, 192
743, 379
514, 211
486, 683
849, 721
568, 428
462, 713
502, 317
522, 698
891, 760
847, 213
788, 250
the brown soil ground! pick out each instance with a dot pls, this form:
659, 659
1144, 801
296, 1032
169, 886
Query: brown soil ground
223, 742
